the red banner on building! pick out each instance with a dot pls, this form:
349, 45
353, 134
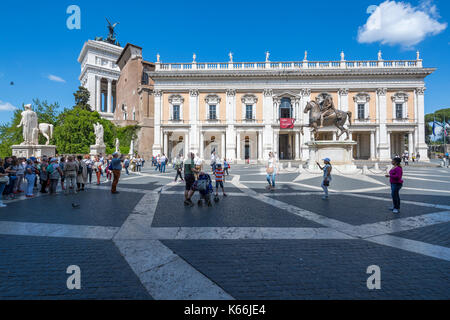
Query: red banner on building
287, 123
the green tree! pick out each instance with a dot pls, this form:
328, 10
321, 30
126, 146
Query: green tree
75, 131
125, 135
82, 98
11, 135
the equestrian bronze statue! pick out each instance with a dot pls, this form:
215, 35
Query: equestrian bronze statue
323, 114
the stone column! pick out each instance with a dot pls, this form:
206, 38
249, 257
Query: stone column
297, 145
358, 146
98, 94
186, 144
372, 145
238, 146
275, 144
222, 146
383, 144
267, 120
306, 96
230, 131
260, 146
202, 145
193, 121
334, 135
157, 124
422, 147
389, 152
109, 97
410, 143
166, 143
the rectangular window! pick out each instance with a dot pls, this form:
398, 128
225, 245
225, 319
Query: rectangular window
176, 112
361, 111
212, 112
249, 112
399, 110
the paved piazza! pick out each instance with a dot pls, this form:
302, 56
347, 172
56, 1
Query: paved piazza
289, 244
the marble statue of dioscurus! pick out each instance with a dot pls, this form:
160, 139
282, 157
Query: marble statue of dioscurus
29, 123
98, 130
117, 144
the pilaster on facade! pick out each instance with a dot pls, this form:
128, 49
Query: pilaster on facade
422, 147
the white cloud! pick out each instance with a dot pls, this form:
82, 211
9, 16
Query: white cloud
55, 78
6, 106
400, 23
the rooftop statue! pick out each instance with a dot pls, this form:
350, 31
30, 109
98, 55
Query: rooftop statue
112, 36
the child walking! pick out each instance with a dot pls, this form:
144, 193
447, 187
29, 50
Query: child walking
219, 179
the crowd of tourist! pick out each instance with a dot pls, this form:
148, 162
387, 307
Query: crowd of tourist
19, 175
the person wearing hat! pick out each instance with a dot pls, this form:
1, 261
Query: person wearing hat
55, 172
326, 176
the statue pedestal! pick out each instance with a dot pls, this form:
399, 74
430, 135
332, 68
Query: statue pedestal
97, 150
339, 152
33, 151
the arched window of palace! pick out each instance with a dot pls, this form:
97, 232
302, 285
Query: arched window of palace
285, 108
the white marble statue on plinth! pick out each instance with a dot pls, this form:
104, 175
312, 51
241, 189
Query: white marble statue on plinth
99, 148
117, 145
131, 148
30, 132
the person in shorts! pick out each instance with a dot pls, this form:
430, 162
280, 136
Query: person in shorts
219, 179
189, 178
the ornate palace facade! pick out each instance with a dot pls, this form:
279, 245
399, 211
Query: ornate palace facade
243, 110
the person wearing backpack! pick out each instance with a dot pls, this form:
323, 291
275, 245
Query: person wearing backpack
226, 166
126, 164
178, 167
82, 174
326, 176
189, 178
55, 173
43, 175
70, 173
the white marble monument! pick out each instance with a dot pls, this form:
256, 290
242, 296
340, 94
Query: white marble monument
30, 132
339, 152
99, 147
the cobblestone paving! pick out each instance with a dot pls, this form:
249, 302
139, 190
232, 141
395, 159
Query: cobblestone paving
314, 269
35, 268
255, 244
436, 234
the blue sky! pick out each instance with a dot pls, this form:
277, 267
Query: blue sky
35, 42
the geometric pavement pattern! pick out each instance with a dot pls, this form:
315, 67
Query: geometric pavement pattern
254, 244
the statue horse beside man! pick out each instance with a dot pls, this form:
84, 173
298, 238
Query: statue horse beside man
325, 114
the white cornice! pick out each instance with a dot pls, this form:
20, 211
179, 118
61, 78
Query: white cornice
380, 72
99, 45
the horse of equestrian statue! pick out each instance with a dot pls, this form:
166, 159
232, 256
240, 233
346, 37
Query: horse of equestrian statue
47, 131
325, 114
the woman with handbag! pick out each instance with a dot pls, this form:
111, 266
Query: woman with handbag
326, 176
271, 170
4, 179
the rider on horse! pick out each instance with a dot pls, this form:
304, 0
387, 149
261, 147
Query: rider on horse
327, 109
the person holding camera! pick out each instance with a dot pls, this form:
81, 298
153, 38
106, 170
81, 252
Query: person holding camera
326, 176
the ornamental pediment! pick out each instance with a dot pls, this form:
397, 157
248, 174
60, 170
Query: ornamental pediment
212, 99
